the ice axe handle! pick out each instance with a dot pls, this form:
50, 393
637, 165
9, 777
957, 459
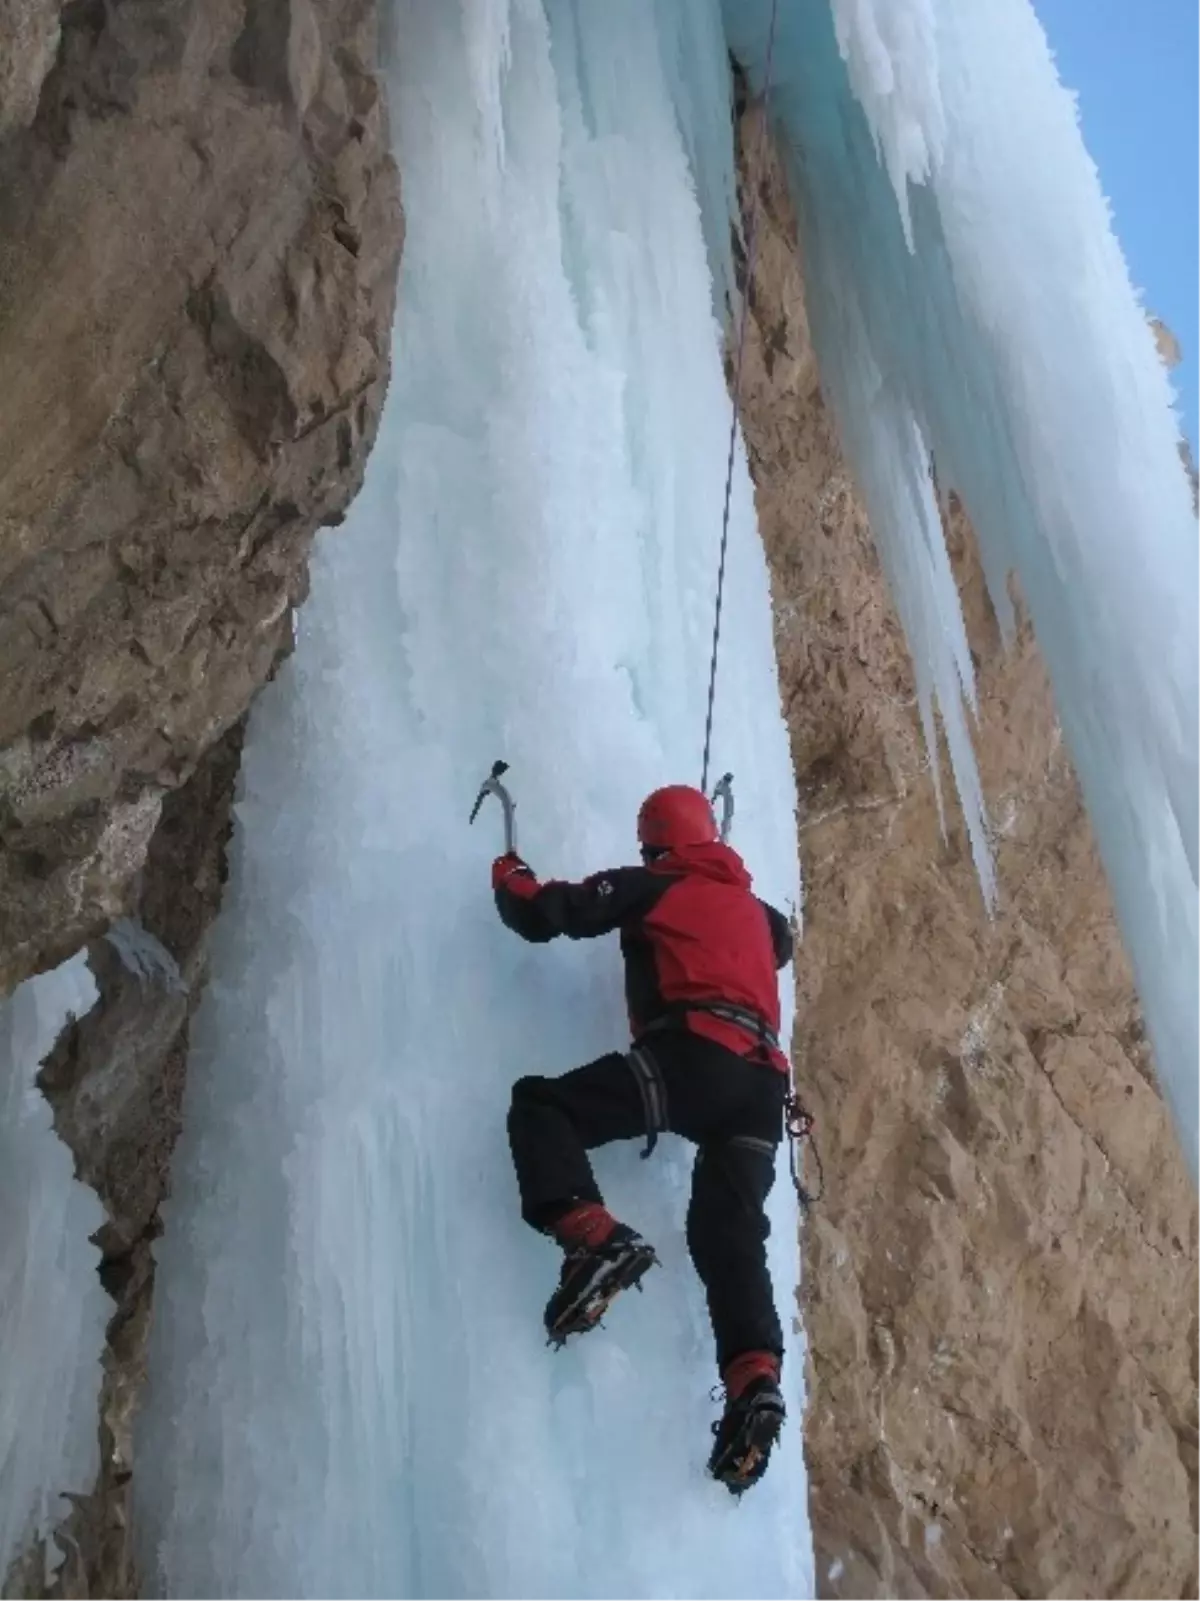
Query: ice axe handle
493, 786
724, 794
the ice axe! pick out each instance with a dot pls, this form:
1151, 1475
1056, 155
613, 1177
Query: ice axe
492, 786
724, 794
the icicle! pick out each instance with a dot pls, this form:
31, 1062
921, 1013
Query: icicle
973, 279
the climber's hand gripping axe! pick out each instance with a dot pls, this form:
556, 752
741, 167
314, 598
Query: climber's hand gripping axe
492, 785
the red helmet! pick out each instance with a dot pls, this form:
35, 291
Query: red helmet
674, 816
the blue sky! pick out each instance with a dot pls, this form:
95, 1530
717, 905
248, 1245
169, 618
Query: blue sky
1133, 64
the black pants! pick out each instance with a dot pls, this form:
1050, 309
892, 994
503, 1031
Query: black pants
731, 1108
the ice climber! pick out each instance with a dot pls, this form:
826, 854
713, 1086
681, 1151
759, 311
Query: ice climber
701, 955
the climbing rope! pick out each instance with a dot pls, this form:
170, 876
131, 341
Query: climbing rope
797, 1120
751, 252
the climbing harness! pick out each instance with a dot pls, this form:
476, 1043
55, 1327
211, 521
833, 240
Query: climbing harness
751, 255
653, 1089
673, 1015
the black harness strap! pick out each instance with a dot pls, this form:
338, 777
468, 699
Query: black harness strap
654, 1095
749, 1142
675, 1016
797, 1120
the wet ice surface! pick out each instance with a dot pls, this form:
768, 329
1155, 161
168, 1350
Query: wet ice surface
52, 1309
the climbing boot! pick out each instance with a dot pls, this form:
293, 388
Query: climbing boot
754, 1415
602, 1258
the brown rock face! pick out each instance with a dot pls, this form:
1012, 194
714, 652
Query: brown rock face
1168, 345
1000, 1282
28, 39
115, 1080
199, 234
199, 238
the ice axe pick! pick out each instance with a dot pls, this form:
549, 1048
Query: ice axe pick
492, 786
724, 794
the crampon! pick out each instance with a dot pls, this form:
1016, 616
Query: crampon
746, 1435
592, 1279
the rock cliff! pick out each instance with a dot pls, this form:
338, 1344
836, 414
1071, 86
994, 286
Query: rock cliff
1000, 1281
200, 231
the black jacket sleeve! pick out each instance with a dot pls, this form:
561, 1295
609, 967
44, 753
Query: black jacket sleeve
781, 935
599, 905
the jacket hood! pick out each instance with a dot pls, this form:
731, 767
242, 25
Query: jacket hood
719, 863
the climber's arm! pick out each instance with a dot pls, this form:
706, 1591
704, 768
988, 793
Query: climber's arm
598, 905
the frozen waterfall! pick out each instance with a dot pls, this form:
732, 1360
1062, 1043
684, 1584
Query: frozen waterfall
350, 1391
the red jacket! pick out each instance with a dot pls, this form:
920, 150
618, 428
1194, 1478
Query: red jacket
692, 930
